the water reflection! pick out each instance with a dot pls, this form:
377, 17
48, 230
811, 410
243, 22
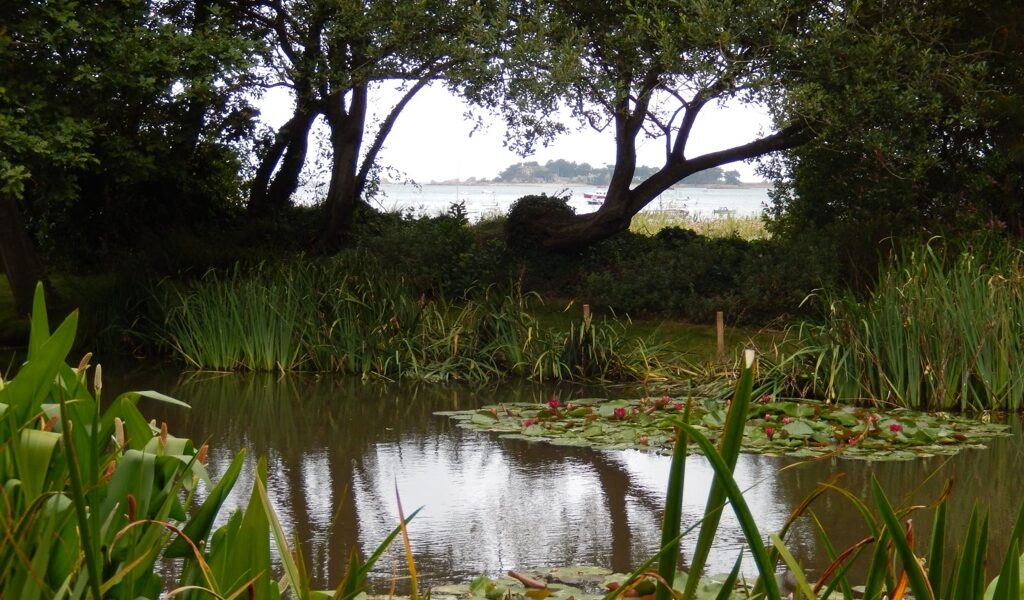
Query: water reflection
337, 448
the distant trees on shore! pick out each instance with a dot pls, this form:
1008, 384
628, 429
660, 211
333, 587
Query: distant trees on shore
562, 170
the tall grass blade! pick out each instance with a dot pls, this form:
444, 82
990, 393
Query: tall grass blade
672, 520
729, 584
732, 491
937, 554
794, 566
409, 560
917, 578
729, 451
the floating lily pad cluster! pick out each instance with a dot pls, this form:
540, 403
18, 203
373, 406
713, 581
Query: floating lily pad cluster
803, 429
565, 583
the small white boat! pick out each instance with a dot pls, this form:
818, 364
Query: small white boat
724, 211
595, 198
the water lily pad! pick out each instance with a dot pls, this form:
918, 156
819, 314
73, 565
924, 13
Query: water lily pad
801, 429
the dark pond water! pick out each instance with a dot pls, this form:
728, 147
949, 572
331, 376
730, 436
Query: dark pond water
337, 448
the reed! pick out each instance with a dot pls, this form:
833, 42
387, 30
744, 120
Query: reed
940, 331
92, 499
338, 317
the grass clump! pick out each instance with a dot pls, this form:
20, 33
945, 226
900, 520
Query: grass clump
939, 331
338, 317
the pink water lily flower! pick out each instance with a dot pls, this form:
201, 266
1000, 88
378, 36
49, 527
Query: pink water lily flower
770, 432
895, 428
620, 413
554, 403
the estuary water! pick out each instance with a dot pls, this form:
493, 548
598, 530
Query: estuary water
490, 199
338, 449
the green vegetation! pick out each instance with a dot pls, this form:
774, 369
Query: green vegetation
894, 567
115, 491
331, 316
775, 427
747, 228
939, 331
94, 498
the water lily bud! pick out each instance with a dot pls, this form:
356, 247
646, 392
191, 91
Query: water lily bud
97, 379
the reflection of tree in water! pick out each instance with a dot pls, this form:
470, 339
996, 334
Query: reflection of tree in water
532, 504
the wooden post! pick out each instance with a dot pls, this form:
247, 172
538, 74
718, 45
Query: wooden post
720, 327
586, 313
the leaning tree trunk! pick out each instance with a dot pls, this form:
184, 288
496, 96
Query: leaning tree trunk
344, 190
18, 255
291, 143
558, 231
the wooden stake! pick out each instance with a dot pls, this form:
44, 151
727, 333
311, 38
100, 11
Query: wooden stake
720, 327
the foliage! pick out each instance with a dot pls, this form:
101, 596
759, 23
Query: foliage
149, 141
441, 255
928, 154
335, 316
94, 498
680, 273
525, 211
773, 427
939, 331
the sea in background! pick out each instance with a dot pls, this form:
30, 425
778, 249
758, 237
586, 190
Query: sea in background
482, 200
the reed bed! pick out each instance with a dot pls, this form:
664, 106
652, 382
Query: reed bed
744, 227
941, 330
335, 317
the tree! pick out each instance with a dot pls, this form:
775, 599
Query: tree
938, 151
648, 68
334, 56
117, 119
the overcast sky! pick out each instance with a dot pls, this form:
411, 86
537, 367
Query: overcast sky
431, 140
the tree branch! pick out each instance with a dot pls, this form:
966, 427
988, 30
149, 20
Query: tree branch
389, 123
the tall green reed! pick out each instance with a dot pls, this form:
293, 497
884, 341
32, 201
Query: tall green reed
340, 317
940, 331
93, 498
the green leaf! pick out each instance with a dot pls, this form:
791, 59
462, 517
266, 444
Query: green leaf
201, 522
915, 572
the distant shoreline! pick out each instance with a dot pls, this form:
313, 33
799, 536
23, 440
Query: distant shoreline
482, 183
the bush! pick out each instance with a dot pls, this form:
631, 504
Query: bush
526, 212
682, 274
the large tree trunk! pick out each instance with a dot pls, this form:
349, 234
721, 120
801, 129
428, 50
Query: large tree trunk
291, 143
344, 190
18, 255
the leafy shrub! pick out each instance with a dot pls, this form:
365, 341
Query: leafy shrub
526, 212
680, 273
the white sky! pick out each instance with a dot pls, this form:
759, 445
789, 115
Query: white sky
431, 140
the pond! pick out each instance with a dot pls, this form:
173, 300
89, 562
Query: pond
337, 448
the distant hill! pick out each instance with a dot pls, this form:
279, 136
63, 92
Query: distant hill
564, 171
